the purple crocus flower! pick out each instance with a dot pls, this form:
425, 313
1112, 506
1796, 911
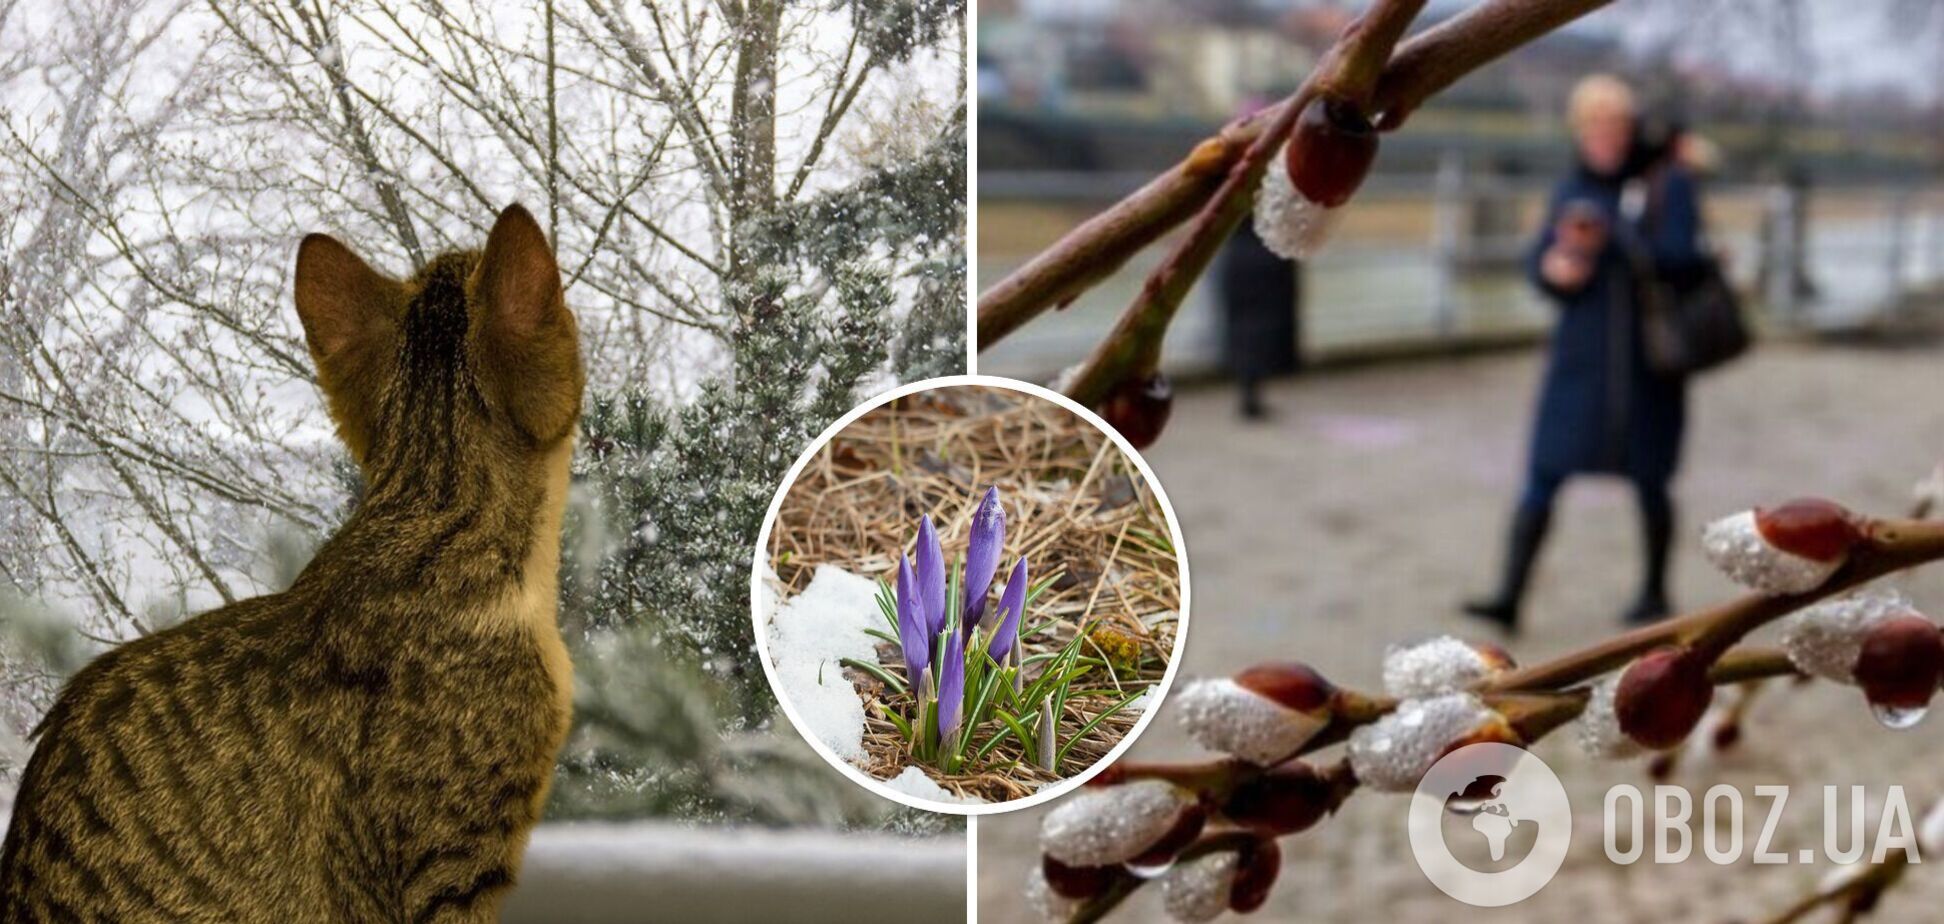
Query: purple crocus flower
914, 631
1012, 608
951, 685
929, 572
982, 556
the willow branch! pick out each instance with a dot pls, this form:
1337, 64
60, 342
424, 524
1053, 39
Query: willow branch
1891, 545
1532, 714
1437, 57
1421, 66
1350, 70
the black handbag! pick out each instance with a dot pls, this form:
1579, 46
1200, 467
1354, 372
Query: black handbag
1691, 316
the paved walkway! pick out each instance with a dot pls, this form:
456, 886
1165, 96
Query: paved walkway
1377, 498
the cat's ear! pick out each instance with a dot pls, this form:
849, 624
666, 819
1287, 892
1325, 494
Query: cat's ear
341, 300
517, 282
531, 343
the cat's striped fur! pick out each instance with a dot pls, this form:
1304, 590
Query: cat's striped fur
375, 743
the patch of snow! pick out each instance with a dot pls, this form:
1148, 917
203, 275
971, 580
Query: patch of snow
1142, 702
808, 635
914, 783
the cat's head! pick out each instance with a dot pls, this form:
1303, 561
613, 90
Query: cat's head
476, 351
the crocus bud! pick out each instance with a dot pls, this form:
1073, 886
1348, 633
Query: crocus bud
928, 568
1045, 902
1284, 800
1138, 407
1598, 728
1788, 549
1324, 162
1825, 640
1393, 753
1080, 882
987, 538
1012, 608
1662, 695
1255, 875
1899, 666
1440, 665
1262, 715
914, 629
951, 686
1104, 826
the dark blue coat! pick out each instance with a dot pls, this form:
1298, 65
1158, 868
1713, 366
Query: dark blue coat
1602, 408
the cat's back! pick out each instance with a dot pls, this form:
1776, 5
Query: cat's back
167, 776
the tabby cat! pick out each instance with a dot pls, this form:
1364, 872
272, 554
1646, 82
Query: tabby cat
374, 743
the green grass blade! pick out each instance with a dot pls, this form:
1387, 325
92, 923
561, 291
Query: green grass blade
1060, 756
1019, 731
904, 727
890, 680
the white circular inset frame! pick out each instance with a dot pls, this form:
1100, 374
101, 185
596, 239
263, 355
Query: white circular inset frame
758, 591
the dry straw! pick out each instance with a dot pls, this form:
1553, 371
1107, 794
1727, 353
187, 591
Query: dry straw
1076, 506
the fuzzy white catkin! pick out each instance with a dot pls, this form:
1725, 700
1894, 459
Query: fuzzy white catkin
1439, 665
1046, 903
1393, 753
1198, 890
1290, 224
1825, 640
1112, 824
1930, 831
1598, 728
1225, 716
1735, 546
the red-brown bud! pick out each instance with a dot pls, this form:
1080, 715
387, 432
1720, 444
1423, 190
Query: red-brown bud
1113, 774
1081, 882
1900, 663
1255, 875
1282, 801
1661, 767
1662, 696
1727, 735
1811, 527
1331, 151
1138, 407
1291, 684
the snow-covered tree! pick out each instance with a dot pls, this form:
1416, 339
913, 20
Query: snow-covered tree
758, 207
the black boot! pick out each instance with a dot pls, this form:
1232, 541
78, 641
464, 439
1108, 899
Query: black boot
1252, 408
1522, 547
1657, 544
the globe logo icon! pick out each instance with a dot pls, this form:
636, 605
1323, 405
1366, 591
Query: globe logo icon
1493, 820
1505, 794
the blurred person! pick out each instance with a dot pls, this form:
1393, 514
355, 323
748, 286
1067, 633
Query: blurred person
1261, 302
1261, 296
1602, 408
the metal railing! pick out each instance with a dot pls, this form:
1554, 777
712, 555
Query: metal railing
1431, 262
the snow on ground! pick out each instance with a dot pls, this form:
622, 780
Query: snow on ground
808, 635
914, 783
